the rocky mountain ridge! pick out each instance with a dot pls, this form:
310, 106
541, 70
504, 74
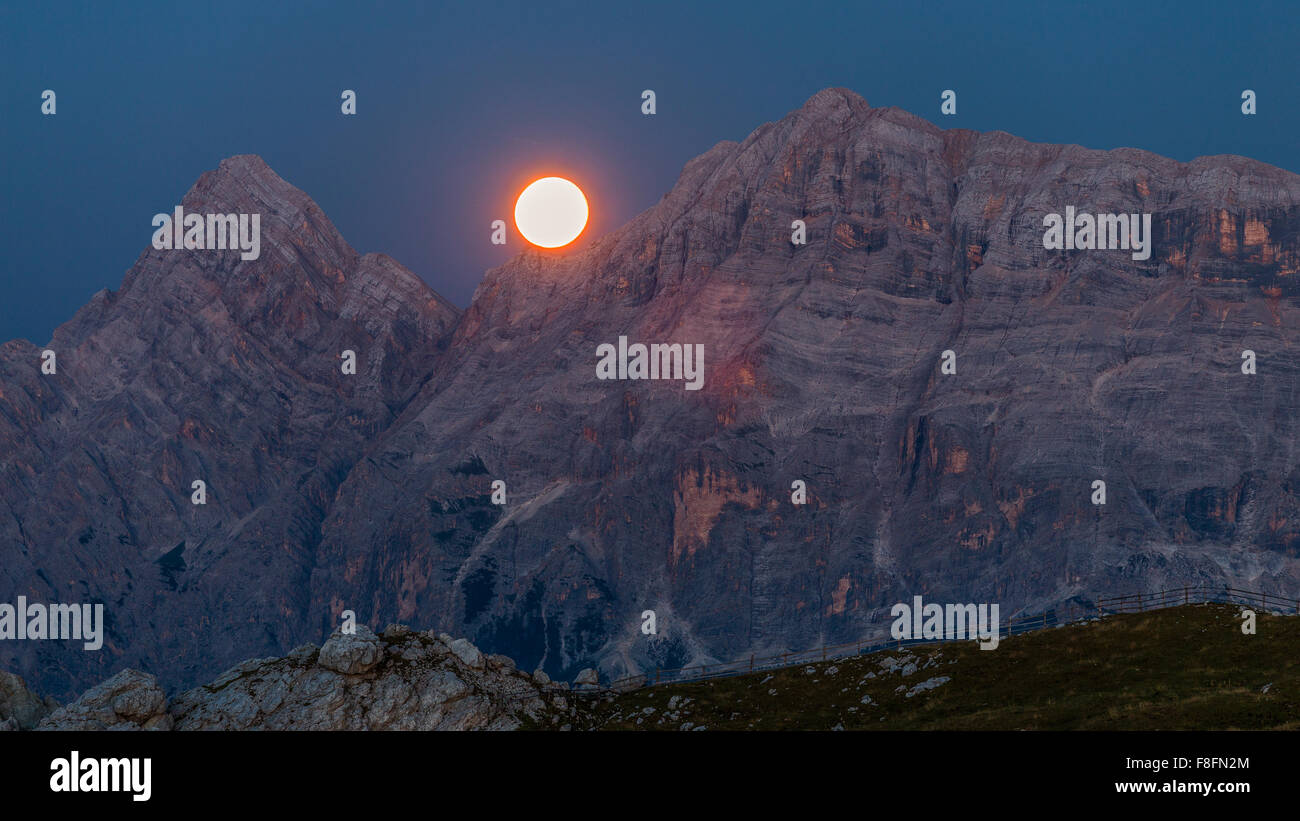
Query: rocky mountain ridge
372, 493
206, 367
397, 680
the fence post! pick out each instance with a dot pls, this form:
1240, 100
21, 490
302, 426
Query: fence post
656, 675
751, 662
823, 652
1186, 595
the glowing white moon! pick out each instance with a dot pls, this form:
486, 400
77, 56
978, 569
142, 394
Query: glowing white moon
551, 212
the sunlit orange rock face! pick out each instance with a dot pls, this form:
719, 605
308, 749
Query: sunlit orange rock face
372, 493
698, 502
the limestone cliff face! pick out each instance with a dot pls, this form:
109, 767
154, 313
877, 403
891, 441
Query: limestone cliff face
822, 364
371, 493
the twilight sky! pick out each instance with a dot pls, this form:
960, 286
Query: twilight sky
460, 105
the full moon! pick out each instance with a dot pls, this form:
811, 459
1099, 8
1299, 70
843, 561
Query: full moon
551, 212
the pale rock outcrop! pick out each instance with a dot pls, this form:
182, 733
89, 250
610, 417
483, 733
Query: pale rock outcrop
467, 653
401, 680
20, 708
398, 680
350, 654
130, 700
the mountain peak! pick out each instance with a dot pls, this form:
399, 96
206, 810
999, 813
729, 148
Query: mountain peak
836, 97
246, 183
243, 162
836, 105
263, 376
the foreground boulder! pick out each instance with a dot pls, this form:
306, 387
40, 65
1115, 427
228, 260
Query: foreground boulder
130, 700
352, 653
20, 708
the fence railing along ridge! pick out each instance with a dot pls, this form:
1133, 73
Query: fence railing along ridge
1101, 607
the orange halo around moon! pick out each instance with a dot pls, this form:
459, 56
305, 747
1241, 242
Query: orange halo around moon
551, 212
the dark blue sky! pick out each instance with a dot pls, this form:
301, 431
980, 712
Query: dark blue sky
459, 106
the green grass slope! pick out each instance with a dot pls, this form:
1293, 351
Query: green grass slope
1182, 668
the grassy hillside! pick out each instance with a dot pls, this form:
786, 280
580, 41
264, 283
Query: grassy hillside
1186, 667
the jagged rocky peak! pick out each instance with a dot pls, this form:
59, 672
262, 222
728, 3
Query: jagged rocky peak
865, 176
835, 97
304, 272
718, 201
204, 366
